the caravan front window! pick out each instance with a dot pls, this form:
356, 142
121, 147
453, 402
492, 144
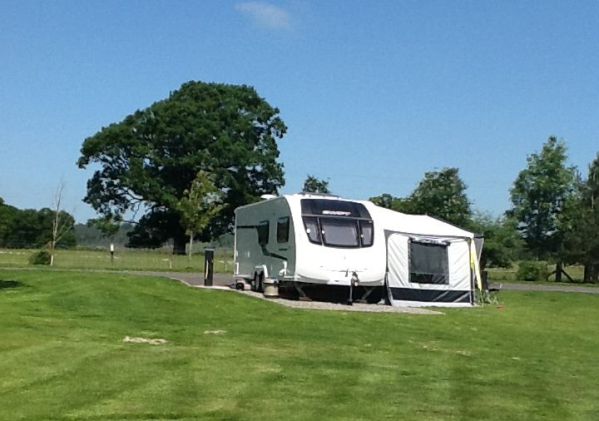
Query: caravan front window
339, 232
312, 229
337, 223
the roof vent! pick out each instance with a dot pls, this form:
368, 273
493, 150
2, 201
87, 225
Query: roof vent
307, 193
268, 196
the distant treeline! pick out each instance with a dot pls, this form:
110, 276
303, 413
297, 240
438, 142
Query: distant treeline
554, 215
31, 228
88, 235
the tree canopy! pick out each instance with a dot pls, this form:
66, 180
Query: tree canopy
199, 205
398, 204
503, 243
148, 160
315, 185
581, 239
31, 228
540, 196
441, 194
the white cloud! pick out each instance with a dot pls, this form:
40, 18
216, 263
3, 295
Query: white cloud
265, 14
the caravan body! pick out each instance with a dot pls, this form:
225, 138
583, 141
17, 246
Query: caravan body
308, 238
324, 240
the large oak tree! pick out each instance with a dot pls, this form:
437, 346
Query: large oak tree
148, 160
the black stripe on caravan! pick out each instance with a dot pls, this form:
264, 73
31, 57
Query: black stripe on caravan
430, 295
246, 226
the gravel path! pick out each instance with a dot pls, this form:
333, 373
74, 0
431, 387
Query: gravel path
190, 278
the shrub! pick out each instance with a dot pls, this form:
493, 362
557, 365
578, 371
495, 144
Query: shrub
41, 257
486, 297
531, 271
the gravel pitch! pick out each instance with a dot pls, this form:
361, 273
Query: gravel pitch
221, 282
320, 305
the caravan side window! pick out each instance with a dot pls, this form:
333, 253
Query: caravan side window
283, 230
263, 233
312, 229
429, 263
366, 233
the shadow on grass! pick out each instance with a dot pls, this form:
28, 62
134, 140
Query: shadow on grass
10, 284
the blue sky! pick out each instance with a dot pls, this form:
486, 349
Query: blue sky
374, 93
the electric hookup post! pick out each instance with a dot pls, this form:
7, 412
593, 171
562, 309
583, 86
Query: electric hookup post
208, 267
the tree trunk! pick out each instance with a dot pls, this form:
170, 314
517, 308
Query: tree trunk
595, 273
483, 262
190, 247
587, 273
558, 272
179, 244
51, 250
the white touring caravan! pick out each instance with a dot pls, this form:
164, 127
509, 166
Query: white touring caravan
355, 248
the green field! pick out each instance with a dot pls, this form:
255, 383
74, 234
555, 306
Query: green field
228, 356
129, 259
510, 275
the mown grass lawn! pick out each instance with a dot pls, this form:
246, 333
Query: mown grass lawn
62, 355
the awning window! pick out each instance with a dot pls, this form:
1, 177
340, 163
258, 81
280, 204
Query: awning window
429, 263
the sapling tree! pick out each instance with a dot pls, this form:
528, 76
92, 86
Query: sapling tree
198, 207
62, 222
